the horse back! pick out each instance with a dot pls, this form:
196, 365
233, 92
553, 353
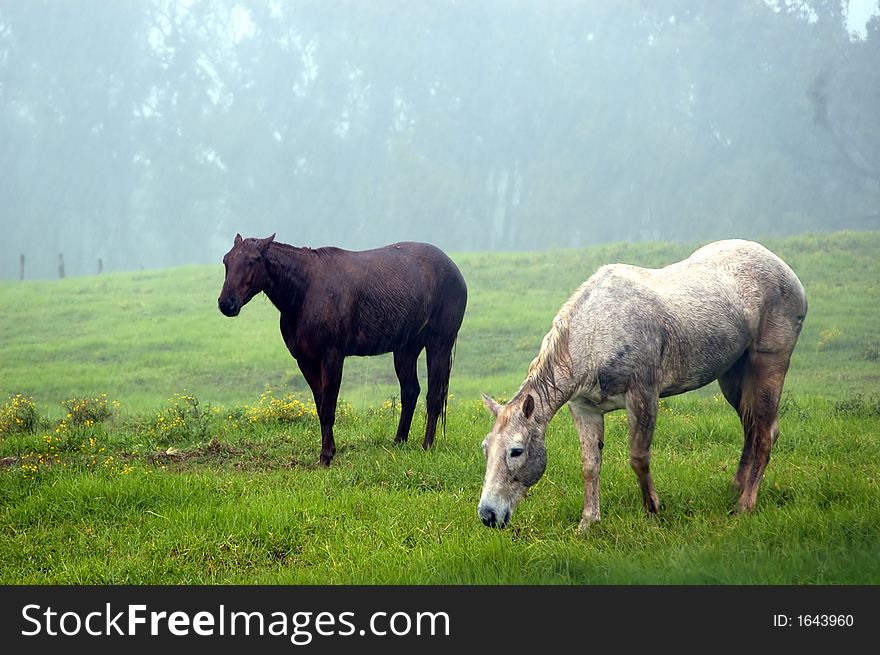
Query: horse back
762, 284
679, 327
375, 301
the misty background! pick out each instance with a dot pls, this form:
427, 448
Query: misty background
147, 133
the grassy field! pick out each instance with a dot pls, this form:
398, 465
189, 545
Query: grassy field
147, 449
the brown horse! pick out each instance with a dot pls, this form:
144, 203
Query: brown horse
401, 298
628, 336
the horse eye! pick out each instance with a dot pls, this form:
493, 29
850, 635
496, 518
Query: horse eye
516, 452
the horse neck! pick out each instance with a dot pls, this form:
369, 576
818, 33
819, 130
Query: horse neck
288, 270
549, 396
552, 381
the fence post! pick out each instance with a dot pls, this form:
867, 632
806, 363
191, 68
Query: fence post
100, 266
60, 265
21, 267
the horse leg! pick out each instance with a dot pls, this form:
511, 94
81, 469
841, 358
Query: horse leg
439, 356
405, 367
641, 413
331, 378
731, 383
762, 390
311, 371
590, 425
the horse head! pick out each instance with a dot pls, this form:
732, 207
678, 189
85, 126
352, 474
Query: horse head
246, 274
515, 458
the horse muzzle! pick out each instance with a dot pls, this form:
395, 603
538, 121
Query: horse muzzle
492, 517
229, 306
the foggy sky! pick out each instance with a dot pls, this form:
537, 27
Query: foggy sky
146, 134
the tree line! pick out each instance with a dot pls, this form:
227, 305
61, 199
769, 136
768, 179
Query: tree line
148, 133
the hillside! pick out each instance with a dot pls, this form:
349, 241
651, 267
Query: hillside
154, 490
142, 337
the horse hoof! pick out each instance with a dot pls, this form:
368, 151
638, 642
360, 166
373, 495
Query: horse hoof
585, 525
743, 507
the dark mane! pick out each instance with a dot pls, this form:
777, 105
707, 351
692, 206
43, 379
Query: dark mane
289, 271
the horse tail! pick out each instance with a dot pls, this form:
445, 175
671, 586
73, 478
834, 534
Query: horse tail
450, 319
445, 390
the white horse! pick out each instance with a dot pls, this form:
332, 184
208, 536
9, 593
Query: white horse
629, 336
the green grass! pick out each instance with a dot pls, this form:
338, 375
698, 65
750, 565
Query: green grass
217, 491
141, 337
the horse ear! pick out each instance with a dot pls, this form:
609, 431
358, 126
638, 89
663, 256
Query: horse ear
264, 243
237, 239
491, 405
528, 406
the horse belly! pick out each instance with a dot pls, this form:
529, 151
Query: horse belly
383, 336
365, 347
677, 387
702, 360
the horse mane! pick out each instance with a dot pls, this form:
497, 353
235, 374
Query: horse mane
554, 357
289, 279
277, 248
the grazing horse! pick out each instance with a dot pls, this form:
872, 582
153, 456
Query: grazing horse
629, 336
401, 298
